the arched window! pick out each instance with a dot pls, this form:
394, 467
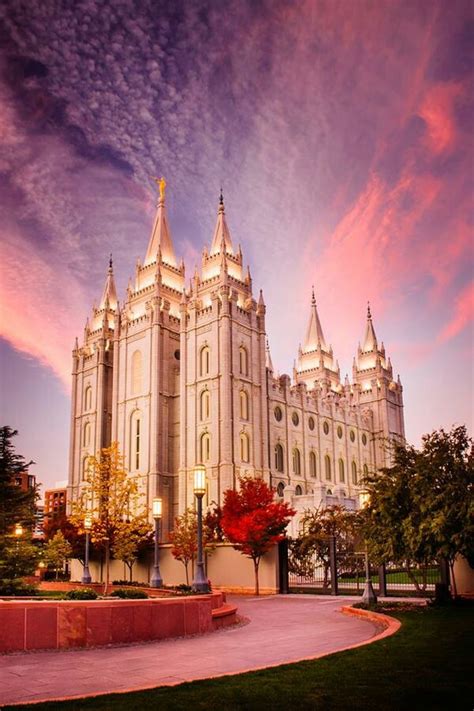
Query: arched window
298, 491
244, 405
87, 398
279, 458
244, 361
329, 492
296, 461
366, 471
205, 405
85, 469
137, 373
86, 438
204, 361
205, 447
280, 488
342, 475
354, 472
244, 447
312, 464
135, 440
327, 466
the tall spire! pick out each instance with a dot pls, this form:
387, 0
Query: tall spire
268, 357
370, 340
160, 234
109, 295
221, 231
314, 333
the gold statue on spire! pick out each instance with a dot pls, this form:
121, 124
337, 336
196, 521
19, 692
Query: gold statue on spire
161, 182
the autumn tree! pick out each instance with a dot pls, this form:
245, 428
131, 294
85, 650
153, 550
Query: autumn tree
110, 497
252, 521
57, 551
183, 537
131, 538
312, 545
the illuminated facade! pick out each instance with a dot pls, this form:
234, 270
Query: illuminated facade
181, 375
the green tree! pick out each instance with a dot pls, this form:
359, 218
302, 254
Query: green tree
18, 557
109, 496
422, 507
16, 506
57, 551
131, 538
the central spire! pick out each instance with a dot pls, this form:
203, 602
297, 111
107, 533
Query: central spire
160, 238
221, 232
314, 333
370, 341
109, 295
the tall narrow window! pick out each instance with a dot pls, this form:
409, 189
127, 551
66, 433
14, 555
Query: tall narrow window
244, 405
87, 434
136, 378
298, 491
205, 447
244, 361
342, 475
354, 473
204, 361
85, 468
366, 471
205, 407
296, 461
312, 464
244, 447
327, 466
279, 457
135, 440
280, 488
87, 398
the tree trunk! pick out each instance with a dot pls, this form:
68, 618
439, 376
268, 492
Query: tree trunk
256, 562
57, 572
187, 574
107, 566
130, 570
451, 570
412, 577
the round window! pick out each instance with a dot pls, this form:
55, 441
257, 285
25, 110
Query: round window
176, 354
295, 419
364, 439
352, 436
326, 428
339, 432
311, 423
278, 413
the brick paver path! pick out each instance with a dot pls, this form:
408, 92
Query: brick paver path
281, 629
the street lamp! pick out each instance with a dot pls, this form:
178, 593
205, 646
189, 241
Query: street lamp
18, 531
157, 508
368, 596
200, 583
18, 534
86, 576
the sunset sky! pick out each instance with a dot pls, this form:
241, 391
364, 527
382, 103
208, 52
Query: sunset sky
340, 132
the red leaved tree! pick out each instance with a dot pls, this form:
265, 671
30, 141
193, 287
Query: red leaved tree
252, 521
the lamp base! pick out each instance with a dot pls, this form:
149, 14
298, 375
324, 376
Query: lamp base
369, 596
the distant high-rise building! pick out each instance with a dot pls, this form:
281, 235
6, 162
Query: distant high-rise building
179, 375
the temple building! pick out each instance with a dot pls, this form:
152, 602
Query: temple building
179, 374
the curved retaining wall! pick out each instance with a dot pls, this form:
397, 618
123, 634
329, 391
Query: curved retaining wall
32, 625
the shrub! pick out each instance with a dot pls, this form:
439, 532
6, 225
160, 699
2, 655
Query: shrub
81, 594
16, 587
129, 594
128, 583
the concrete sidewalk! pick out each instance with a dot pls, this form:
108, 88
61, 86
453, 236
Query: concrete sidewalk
281, 629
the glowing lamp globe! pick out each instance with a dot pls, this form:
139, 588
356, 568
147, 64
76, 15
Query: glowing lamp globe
18, 530
157, 507
199, 479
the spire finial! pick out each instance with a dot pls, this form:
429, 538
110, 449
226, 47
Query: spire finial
161, 182
111, 264
369, 315
221, 197
313, 298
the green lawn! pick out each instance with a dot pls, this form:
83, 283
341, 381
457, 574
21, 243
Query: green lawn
426, 665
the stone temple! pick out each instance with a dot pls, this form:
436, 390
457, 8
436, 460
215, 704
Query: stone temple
183, 374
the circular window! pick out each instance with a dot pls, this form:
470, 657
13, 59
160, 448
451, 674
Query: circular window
339, 432
295, 419
177, 354
311, 423
352, 436
278, 413
364, 439
326, 428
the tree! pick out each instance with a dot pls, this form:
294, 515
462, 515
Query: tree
110, 497
312, 545
15, 505
57, 551
252, 521
183, 537
421, 508
71, 533
131, 538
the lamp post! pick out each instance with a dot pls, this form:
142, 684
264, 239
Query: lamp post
86, 576
156, 579
200, 583
368, 596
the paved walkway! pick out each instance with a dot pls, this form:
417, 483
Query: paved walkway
280, 629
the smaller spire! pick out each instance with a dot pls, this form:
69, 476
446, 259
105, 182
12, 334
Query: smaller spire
370, 341
109, 294
221, 232
268, 358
